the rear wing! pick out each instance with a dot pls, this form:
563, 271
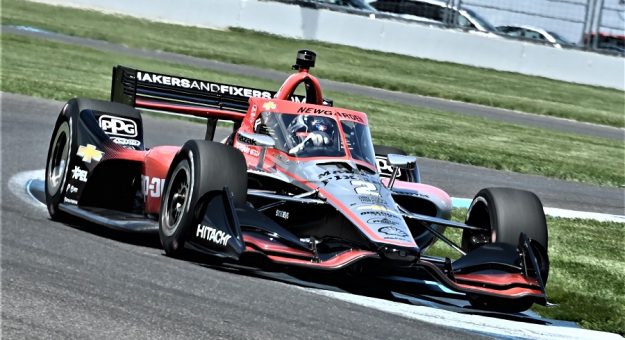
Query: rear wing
182, 95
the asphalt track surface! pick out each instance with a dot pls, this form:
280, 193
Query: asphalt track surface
62, 281
557, 124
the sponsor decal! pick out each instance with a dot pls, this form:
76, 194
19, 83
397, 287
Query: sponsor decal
337, 174
318, 111
368, 199
379, 213
70, 189
79, 174
246, 149
375, 207
152, 186
385, 169
253, 116
282, 214
350, 116
393, 231
269, 106
70, 201
125, 141
200, 85
211, 234
117, 126
382, 220
314, 110
89, 153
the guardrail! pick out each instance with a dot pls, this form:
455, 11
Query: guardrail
450, 45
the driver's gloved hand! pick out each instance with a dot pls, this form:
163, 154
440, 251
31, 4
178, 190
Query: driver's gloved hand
319, 138
316, 138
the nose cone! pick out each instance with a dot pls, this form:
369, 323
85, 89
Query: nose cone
369, 205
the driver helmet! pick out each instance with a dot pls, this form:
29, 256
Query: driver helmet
318, 123
304, 125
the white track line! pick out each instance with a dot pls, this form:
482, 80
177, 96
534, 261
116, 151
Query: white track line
556, 212
498, 328
17, 185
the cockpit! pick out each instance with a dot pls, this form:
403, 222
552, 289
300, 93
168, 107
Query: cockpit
317, 135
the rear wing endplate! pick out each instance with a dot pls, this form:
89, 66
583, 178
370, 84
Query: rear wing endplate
182, 95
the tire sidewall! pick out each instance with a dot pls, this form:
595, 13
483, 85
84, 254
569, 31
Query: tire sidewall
64, 122
211, 166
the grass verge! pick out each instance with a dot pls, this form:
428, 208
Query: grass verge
389, 71
587, 271
54, 70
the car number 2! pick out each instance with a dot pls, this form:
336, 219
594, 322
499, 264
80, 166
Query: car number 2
365, 188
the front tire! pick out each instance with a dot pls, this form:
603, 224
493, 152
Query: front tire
62, 146
200, 167
506, 213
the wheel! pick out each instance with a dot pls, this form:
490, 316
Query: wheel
381, 153
200, 167
506, 213
62, 145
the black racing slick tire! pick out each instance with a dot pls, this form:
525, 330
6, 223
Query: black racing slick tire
200, 167
62, 146
506, 213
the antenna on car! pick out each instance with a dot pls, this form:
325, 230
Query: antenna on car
305, 60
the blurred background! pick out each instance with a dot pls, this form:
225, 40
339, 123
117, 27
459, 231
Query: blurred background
595, 25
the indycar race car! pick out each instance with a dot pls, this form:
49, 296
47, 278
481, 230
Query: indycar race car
298, 182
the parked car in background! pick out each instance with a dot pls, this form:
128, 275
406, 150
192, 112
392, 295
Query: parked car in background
350, 6
435, 12
358, 4
535, 34
606, 42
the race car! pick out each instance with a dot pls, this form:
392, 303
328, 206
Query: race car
298, 182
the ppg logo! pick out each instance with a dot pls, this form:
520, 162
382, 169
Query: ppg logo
385, 169
118, 126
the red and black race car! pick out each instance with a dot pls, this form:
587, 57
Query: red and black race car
298, 182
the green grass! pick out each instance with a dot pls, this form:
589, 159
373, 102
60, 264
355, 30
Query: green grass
389, 71
587, 271
48, 69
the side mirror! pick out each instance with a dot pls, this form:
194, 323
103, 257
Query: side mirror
257, 139
402, 161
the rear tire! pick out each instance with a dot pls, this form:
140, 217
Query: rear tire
200, 167
507, 213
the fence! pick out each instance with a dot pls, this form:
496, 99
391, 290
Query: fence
588, 24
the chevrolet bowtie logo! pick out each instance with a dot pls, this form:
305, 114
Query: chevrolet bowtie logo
269, 106
89, 152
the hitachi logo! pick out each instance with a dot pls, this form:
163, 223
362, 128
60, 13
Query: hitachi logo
212, 234
201, 85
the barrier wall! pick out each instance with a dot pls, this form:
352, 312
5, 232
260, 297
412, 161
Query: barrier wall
416, 40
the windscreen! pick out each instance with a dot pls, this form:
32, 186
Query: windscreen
317, 136
359, 143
